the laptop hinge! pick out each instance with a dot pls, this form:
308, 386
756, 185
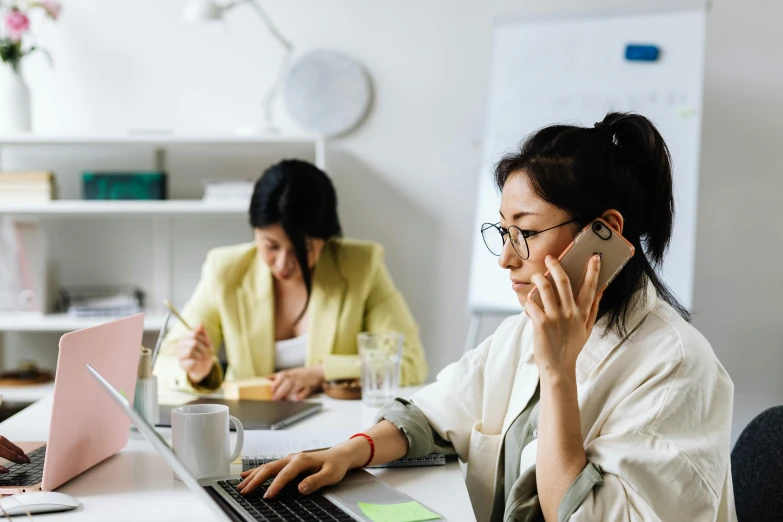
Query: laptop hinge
227, 508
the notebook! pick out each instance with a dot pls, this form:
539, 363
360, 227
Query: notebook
262, 448
433, 459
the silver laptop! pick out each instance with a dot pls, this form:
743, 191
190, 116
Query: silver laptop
255, 415
336, 503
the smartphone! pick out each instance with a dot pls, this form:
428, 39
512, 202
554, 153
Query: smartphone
596, 238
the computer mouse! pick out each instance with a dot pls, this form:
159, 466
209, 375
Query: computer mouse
36, 502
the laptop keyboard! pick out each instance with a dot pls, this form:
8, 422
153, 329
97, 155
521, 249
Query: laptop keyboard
25, 474
289, 504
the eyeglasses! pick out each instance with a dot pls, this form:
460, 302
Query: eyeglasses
495, 237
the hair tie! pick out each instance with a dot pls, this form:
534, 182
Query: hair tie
606, 129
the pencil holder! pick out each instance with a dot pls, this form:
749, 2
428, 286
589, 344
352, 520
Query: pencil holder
145, 400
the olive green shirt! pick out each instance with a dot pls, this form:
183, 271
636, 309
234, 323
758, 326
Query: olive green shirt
516, 496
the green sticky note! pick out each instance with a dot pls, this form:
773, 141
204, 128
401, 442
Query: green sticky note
403, 512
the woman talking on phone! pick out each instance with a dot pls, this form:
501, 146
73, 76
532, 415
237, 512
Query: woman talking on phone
290, 304
587, 407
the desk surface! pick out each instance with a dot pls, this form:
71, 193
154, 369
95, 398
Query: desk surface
136, 484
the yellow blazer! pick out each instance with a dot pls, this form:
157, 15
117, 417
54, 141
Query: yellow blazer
352, 292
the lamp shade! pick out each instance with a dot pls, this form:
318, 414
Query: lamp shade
204, 10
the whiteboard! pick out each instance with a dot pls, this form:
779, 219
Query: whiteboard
574, 71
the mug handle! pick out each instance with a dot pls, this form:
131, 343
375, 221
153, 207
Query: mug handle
240, 438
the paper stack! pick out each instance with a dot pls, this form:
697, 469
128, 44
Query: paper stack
101, 301
26, 187
228, 191
115, 306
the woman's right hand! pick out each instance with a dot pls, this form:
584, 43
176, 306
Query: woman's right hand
328, 467
194, 351
324, 468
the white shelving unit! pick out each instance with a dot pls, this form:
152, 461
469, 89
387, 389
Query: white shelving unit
157, 220
66, 208
163, 140
152, 138
35, 322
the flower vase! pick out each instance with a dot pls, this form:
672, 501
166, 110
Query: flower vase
14, 102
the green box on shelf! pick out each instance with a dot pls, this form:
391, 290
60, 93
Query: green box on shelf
124, 185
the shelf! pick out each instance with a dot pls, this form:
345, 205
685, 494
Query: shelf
79, 207
33, 322
154, 139
31, 393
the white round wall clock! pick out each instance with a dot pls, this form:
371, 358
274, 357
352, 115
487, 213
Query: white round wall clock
327, 93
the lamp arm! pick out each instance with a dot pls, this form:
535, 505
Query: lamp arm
269, 25
269, 97
267, 103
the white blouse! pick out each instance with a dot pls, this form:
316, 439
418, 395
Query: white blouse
655, 411
290, 353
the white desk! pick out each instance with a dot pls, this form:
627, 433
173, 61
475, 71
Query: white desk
136, 484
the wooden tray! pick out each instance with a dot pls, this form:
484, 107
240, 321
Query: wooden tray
345, 389
39, 378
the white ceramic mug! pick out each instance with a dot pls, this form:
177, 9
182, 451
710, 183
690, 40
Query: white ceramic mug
200, 439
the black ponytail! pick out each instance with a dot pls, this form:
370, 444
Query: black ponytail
622, 163
641, 144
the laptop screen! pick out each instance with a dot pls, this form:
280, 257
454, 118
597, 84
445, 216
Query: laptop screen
159, 443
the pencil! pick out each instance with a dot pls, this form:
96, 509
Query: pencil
160, 338
176, 313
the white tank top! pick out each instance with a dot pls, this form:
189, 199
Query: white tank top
290, 353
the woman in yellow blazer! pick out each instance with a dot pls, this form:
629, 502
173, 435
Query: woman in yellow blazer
291, 304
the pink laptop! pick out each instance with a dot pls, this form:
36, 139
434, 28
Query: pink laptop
86, 427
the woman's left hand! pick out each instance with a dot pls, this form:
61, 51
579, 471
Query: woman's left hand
562, 328
297, 383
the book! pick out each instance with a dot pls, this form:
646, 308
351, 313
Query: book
254, 389
433, 459
222, 190
121, 185
262, 447
26, 187
29, 176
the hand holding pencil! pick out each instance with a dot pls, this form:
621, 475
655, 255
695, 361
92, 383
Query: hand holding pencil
194, 349
173, 309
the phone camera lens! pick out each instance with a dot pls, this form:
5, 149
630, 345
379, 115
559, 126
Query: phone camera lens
601, 231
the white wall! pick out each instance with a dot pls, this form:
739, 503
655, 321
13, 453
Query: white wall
740, 248
407, 177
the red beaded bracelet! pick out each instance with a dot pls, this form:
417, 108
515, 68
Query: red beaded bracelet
372, 446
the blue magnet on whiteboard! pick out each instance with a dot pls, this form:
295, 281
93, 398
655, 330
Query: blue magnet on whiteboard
642, 53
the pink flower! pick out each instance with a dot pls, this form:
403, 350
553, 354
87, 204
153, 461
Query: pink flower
52, 8
17, 23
